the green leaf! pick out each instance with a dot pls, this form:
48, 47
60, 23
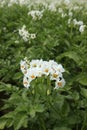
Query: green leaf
20, 120
9, 123
75, 95
5, 107
2, 123
39, 108
82, 79
72, 119
2, 88
9, 115
32, 112
84, 92
61, 128
17, 76
65, 109
70, 54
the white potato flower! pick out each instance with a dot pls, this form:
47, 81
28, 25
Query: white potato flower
60, 10
31, 74
69, 21
24, 66
60, 83
36, 63
67, 2
70, 14
63, 15
52, 7
55, 75
75, 22
26, 82
82, 28
24, 33
60, 68
32, 36
45, 68
80, 22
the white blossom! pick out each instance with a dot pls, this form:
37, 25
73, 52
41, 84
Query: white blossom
60, 10
52, 7
36, 63
70, 14
31, 73
60, 82
63, 15
26, 82
32, 36
81, 28
24, 33
45, 68
69, 21
75, 22
67, 2
80, 22
24, 66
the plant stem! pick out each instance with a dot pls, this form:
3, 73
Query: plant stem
84, 123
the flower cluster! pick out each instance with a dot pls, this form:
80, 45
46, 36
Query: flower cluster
38, 68
52, 7
25, 34
11, 2
23, 2
67, 2
80, 24
36, 14
60, 10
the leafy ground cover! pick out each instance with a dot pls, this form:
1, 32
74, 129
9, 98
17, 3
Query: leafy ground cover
48, 32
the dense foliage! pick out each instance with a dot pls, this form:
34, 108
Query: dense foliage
58, 36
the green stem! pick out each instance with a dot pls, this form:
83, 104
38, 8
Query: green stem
43, 124
48, 83
84, 123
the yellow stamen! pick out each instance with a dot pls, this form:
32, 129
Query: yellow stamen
60, 84
25, 82
32, 76
34, 65
46, 70
22, 66
55, 75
